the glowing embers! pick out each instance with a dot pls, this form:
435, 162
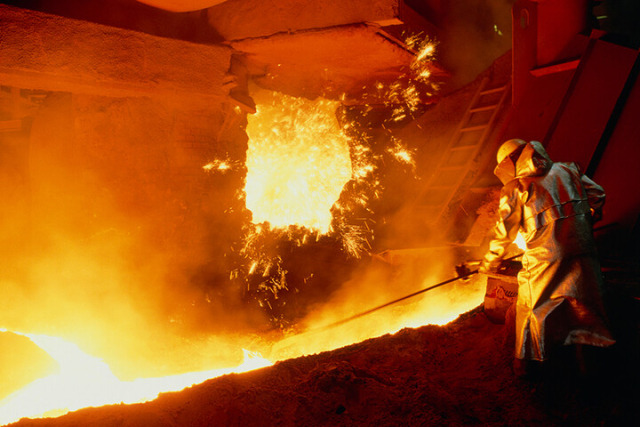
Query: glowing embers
297, 162
406, 95
83, 381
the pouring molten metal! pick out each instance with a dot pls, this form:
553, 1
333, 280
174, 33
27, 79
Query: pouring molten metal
297, 162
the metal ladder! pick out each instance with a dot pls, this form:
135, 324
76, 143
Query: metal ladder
462, 149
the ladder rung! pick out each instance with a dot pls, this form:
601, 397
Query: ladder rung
491, 91
10, 125
473, 128
485, 108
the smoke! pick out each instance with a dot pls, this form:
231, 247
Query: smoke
384, 280
112, 239
129, 247
115, 238
473, 34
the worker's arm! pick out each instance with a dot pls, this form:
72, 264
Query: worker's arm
595, 196
506, 228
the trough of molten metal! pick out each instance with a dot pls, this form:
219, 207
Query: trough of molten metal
83, 381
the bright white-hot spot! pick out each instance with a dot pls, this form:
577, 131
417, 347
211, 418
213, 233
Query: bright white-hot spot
520, 242
297, 162
84, 381
218, 165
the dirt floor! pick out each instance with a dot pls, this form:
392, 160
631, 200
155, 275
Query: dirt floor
457, 374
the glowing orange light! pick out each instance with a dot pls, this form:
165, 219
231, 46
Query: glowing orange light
85, 380
426, 52
297, 162
437, 307
218, 165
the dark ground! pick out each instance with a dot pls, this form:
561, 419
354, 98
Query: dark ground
458, 374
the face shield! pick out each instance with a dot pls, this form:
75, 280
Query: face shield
507, 157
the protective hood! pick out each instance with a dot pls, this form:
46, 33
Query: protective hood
533, 160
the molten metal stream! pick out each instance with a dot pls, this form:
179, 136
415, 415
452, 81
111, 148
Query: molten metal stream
84, 381
297, 162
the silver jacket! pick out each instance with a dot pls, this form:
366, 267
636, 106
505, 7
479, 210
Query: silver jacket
559, 287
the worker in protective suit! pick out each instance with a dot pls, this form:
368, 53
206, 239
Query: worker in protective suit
559, 287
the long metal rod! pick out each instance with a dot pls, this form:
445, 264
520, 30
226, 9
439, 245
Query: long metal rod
437, 285
364, 313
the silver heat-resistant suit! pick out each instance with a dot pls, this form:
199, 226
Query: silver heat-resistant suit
559, 287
